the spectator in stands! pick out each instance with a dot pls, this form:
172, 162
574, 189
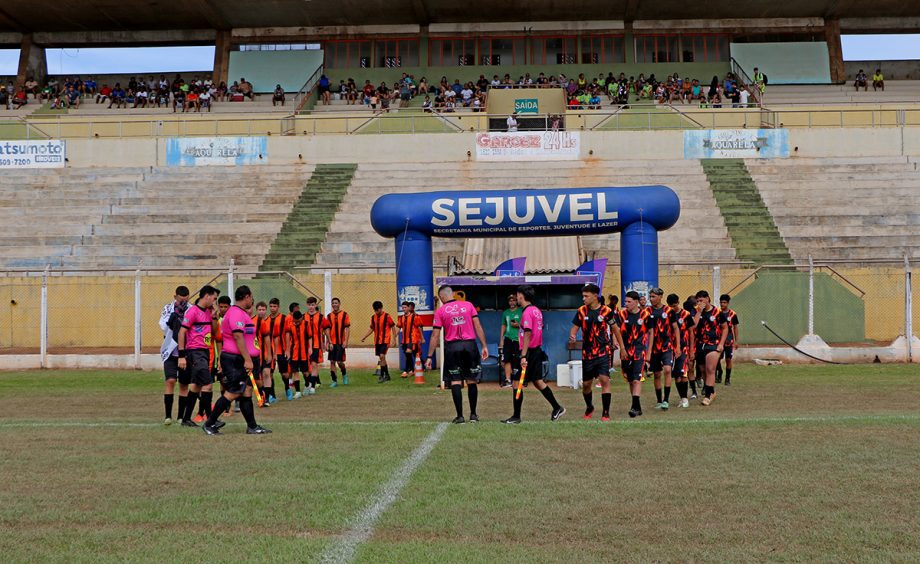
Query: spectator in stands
118, 96
130, 97
861, 80
423, 87
246, 89
221, 93
192, 100
368, 92
179, 100
595, 100
104, 95
466, 95
878, 81
72, 98
405, 90
278, 94
323, 87
31, 87
143, 96
495, 82
760, 81
696, 90
482, 83
512, 123
5, 98
20, 98
743, 97
426, 105
89, 86
159, 97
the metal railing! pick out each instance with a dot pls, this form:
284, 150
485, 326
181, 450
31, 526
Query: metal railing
418, 121
306, 91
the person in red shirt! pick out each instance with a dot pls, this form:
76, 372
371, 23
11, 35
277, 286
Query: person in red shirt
410, 326
339, 331
382, 327
319, 330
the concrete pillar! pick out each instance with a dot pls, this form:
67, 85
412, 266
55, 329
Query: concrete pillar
629, 44
423, 47
835, 50
222, 45
32, 62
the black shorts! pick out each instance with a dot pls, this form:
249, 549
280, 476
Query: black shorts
595, 368
302, 366
316, 356
337, 354
728, 351
511, 352
381, 349
171, 371
536, 365
461, 361
235, 377
282, 364
409, 348
680, 365
632, 370
198, 362
703, 350
660, 360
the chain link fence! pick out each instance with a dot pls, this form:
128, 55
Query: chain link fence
118, 312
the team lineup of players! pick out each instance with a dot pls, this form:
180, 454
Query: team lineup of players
243, 344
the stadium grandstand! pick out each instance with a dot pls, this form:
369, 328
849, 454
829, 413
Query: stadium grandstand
798, 179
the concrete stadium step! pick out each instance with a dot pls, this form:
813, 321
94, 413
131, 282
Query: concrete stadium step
189, 218
217, 227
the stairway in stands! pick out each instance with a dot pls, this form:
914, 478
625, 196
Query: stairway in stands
750, 225
305, 228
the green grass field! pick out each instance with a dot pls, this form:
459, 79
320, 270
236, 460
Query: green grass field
789, 463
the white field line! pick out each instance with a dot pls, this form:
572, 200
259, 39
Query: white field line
362, 524
641, 422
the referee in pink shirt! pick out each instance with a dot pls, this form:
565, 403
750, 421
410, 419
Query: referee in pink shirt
533, 358
460, 323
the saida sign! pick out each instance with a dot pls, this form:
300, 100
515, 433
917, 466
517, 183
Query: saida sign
527, 106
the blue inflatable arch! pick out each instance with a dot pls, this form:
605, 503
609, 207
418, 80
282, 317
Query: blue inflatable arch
637, 213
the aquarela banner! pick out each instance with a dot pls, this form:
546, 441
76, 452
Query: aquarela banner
528, 146
736, 144
216, 151
48, 153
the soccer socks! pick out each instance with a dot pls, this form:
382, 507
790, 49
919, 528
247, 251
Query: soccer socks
682, 389
181, 413
333, 376
204, 403
709, 390
589, 400
248, 412
667, 393
518, 402
548, 394
728, 375
190, 405
605, 398
222, 405
658, 394
472, 390
692, 386
456, 391
168, 403
297, 385
409, 359
271, 390
636, 404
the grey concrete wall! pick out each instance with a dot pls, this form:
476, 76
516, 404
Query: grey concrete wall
893, 70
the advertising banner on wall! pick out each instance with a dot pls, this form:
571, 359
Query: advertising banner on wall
528, 146
47, 153
216, 151
736, 144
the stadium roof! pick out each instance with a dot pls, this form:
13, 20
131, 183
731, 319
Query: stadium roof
129, 15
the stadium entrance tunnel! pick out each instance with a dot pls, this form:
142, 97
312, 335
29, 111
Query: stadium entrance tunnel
637, 213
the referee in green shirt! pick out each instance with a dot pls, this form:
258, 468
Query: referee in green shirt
511, 351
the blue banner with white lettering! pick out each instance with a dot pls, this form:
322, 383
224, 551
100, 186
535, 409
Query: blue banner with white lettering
736, 143
216, 151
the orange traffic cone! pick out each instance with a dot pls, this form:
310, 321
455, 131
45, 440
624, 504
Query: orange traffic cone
419, 371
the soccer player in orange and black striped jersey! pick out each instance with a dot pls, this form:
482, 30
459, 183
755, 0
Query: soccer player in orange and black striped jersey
263, 365
319, 330
381, 327
298, 349
339, 331
731, 343
685, 328
279, 325
594, 320
410, 325
635, 335
667, 345
711, 333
